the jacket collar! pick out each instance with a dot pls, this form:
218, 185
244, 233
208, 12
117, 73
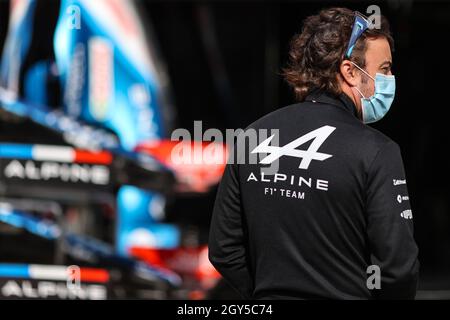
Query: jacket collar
342, 101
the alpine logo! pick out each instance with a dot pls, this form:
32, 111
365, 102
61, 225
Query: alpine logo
17, 289
274, 153
95, 174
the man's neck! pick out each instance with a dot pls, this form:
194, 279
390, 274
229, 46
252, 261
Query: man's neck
356, 100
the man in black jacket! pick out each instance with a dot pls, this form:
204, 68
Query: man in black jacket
335, 215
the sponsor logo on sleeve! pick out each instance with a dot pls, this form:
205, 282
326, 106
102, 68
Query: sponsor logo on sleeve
401, 198
398, 182
407, 214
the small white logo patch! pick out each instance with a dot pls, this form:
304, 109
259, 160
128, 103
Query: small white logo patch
398, 182
400, 198
407, 214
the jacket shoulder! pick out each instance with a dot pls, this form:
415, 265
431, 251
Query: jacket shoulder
355, 129
272, 117
378, 138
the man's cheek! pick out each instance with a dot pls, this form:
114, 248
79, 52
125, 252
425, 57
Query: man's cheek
368, 89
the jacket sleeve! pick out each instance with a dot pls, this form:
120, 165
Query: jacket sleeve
390, 226
227, 237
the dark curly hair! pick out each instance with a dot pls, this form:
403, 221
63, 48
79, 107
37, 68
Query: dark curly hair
317, 52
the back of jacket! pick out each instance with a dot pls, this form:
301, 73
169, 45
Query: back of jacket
333, 213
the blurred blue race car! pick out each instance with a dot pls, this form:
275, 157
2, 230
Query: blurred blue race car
86, 121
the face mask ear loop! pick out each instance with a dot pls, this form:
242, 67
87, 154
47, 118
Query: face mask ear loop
359, 92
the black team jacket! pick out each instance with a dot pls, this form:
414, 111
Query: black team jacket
333, 221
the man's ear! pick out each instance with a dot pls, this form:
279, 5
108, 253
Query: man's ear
348, 73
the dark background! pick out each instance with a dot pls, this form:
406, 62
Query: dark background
224, 60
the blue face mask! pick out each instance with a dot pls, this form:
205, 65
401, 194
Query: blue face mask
375, 107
